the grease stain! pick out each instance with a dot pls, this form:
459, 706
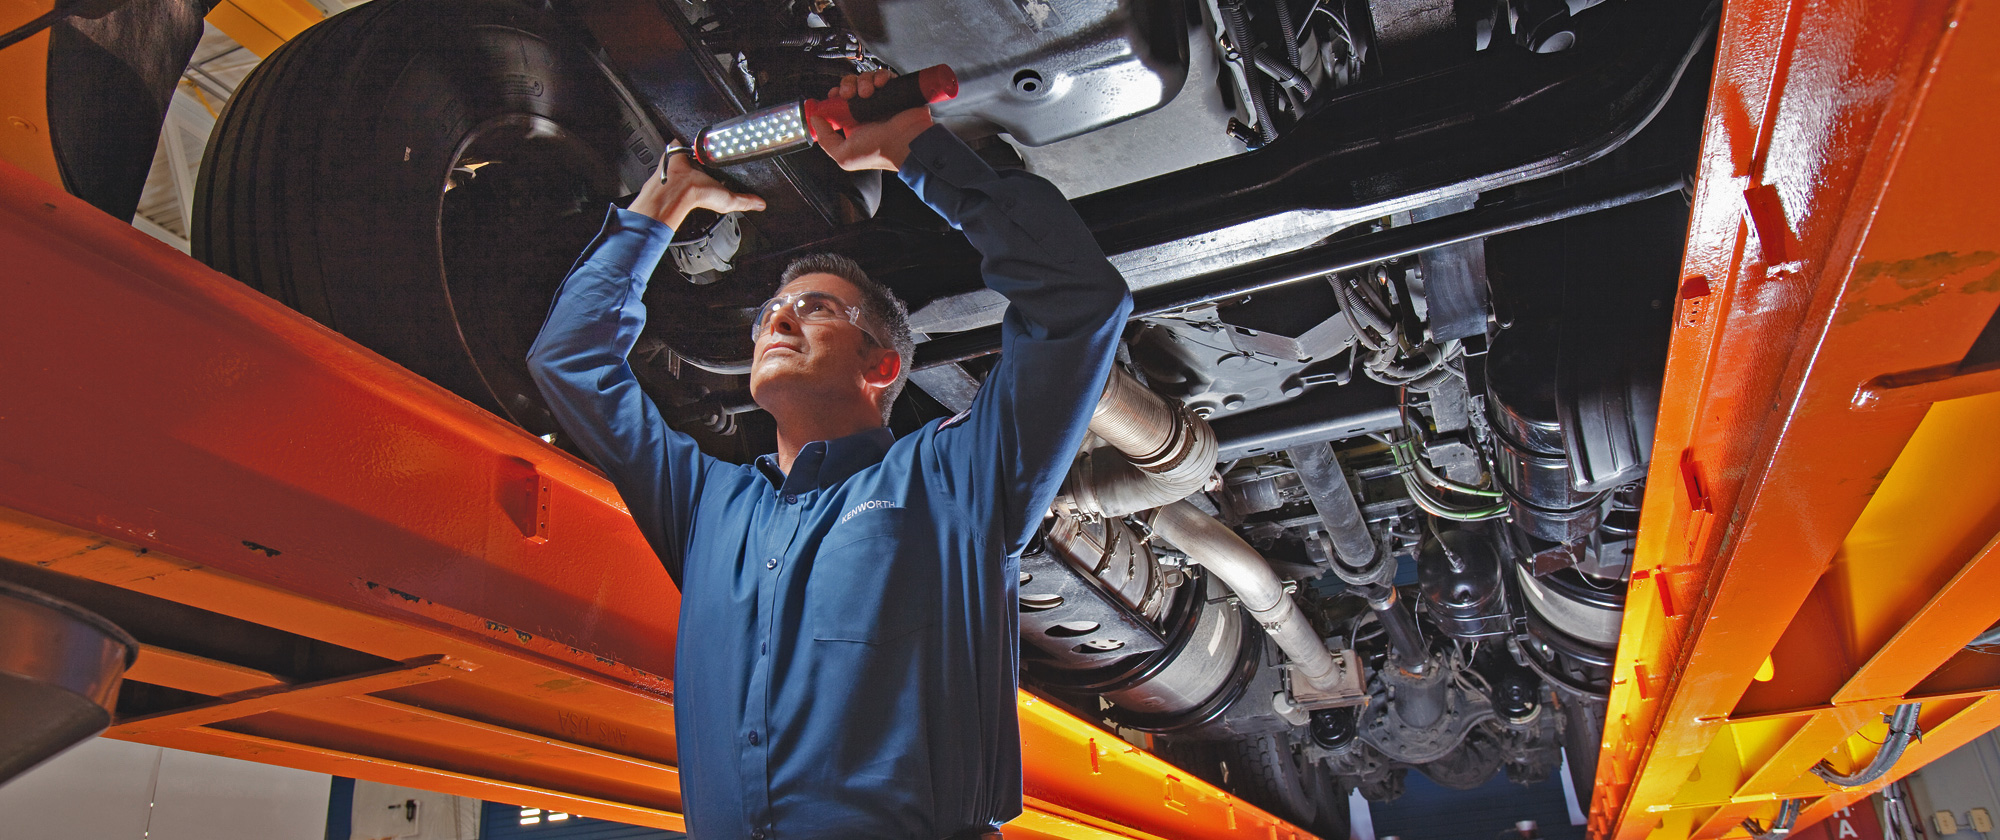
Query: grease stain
1925, 274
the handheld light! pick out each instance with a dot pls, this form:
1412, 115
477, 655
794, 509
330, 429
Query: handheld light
783, 129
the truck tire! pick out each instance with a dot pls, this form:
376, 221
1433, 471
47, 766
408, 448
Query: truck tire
1265, 772
419, 175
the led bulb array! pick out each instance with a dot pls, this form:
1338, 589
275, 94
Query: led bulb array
768, 132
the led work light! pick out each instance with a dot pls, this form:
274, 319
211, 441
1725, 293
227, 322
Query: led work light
783, 129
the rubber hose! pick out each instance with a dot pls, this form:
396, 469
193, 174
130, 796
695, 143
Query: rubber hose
1291, 33
1902, 730
1364, 315
1788, 814
1284, 74
1236, 23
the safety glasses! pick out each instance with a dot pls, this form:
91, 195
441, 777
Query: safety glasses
811, 307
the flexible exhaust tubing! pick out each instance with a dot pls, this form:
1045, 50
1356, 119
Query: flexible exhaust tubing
1168, 452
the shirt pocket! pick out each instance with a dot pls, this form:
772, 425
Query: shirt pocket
873, 580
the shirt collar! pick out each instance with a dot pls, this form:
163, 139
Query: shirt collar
823, 463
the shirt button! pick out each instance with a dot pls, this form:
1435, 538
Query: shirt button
757, 835
771, 563
754, 739
791, 500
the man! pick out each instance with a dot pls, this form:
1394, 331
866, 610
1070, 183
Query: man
849, 630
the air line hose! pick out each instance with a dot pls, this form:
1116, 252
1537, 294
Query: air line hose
1788, 814
1902, 730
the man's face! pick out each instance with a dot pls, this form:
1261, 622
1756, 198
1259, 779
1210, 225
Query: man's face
824, 359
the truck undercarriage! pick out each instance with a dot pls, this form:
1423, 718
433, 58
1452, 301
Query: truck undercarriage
1403, 275
1362, 497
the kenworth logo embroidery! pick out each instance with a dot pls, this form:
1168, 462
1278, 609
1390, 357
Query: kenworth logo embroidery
865, 507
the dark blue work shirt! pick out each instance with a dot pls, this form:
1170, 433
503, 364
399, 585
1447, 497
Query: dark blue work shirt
849, 633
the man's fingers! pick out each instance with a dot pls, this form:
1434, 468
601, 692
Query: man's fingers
862, 85
867, 83
823, 131
744, 202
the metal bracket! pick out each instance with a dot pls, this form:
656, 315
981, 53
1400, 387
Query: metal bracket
1348, 691
704, 260
1082, 625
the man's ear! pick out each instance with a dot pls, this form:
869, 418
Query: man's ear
886, 368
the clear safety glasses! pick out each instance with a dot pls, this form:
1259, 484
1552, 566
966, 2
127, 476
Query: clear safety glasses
811, 307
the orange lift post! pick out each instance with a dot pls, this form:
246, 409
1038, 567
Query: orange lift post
1818, 543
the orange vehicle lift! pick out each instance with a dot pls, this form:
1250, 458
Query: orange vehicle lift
1818, 543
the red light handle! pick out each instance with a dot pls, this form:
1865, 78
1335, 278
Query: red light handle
928, 86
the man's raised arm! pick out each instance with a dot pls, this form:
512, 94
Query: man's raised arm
1066, 308
579, 359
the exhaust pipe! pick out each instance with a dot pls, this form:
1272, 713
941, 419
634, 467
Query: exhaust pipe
1168, 452
1227, 556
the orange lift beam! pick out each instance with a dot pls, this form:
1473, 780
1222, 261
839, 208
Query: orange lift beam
1818, 540
170, 440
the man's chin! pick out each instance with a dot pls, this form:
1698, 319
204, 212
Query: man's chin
774, 376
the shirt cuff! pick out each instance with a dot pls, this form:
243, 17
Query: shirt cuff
631, 243
939, 153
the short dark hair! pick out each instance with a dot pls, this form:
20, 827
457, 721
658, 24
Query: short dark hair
890, 315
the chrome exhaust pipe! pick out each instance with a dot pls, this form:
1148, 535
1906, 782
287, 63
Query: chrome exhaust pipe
1257, 587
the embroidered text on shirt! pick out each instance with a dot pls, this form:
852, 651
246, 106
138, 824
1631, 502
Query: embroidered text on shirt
876, 504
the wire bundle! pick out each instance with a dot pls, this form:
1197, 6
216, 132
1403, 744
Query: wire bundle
1788, 815
1902, 730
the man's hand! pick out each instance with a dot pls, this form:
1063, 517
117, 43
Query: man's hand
684, 187
881, 145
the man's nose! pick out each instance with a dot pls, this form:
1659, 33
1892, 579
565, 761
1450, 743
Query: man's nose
785, 321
